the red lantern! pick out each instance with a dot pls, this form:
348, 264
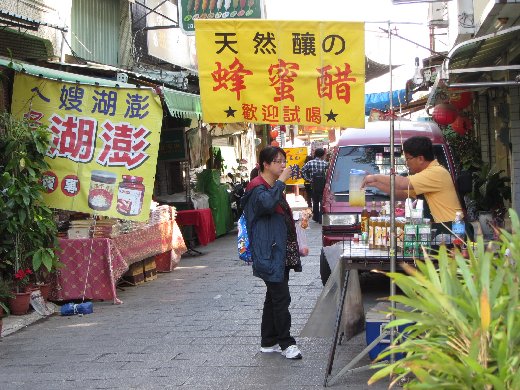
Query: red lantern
444, 114
273, 133
461, 100
461, 125
274, 143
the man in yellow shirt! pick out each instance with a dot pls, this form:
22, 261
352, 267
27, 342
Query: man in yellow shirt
428, 178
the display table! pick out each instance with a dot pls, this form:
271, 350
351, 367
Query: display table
202, 220
105, 260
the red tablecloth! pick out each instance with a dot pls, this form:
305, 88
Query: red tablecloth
202, 220
105, 260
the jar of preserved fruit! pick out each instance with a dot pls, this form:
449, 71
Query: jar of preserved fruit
130, 195
101, 192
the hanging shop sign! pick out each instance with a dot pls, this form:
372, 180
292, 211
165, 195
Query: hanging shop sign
295, 159
104, 144
173, 145
191, 10
271, 72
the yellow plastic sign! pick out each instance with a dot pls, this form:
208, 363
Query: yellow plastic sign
104, 144
290, 72
296, 160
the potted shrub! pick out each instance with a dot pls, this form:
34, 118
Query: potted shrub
488, 197
28, 232
465, 318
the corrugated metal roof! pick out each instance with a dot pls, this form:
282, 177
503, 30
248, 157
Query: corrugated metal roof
60, 75
469, 60
95, 30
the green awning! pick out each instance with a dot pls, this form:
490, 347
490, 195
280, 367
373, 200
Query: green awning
182, 104
54, 74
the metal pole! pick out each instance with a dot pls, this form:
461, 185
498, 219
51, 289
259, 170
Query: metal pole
392, 190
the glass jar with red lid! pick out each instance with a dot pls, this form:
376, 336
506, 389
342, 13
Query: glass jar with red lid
130, 195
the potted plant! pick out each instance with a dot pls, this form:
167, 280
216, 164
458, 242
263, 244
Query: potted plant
21, 296
28, 232
488, 197
464, 318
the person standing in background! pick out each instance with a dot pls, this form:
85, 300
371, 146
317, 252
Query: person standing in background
307, 185
254, 172
315, 172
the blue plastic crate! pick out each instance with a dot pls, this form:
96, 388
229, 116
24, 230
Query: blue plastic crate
375, 323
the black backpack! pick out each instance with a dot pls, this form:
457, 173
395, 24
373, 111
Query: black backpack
318, 181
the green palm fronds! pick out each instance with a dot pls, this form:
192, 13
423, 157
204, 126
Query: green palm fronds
464, 316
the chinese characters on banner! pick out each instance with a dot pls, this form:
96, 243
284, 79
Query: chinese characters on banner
104, 144
291, 72
295, 160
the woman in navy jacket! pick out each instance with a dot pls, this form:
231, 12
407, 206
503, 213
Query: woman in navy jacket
274, 248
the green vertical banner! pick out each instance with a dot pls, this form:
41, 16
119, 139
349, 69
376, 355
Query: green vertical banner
190, 10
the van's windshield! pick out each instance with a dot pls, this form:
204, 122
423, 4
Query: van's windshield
372, 159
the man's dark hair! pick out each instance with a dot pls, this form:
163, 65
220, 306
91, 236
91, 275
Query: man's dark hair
320, 152
268, 154
419, 146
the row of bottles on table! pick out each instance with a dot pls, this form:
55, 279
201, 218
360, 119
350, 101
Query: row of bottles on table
366, 215
412, 230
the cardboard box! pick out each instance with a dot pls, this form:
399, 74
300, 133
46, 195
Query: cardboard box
78, 232
135, 273
150, 269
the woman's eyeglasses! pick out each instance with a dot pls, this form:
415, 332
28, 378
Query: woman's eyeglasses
280, 161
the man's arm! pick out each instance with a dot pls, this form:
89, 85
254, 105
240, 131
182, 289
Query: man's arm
382, 182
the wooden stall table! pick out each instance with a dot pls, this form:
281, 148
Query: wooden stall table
202, 221
94, 265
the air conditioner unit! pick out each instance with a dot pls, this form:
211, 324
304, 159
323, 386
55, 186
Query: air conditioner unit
438, 15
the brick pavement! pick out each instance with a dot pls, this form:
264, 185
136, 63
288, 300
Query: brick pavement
195, 328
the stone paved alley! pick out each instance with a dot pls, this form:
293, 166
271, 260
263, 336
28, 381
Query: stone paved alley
194, 328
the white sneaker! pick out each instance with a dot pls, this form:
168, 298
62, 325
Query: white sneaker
274, 348
292, 352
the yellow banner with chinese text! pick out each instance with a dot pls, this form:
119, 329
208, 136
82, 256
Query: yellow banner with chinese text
290, 72
104, 144
295, 159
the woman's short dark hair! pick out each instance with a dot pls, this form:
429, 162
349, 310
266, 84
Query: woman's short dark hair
268, 154
419, 146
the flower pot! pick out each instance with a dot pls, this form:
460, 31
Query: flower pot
19, 304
